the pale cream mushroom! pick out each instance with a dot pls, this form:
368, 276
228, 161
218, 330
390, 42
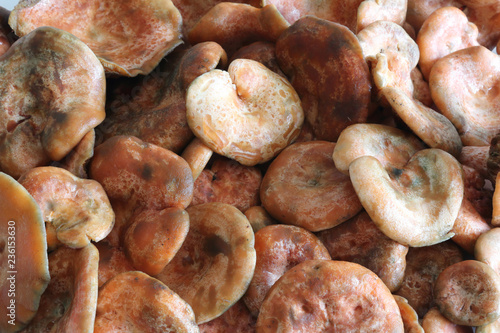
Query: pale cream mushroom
370, 11
416, 205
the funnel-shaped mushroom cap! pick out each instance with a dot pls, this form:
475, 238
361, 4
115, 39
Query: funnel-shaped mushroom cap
78, 209
69, 302
215, 265
136, 302
416, 205
24, 264
325, 64
129, 37
52, 91
248, 113
465, 86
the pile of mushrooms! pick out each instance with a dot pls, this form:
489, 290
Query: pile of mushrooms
250, 166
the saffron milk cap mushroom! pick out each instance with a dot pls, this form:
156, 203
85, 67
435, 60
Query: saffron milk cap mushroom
416, 205
24, 264
248, 113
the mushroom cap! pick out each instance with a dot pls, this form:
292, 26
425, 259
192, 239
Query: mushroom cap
78, 209
154, 237
129, 38
445, 31
136, 302
263, 52
258, 217
69, 302
322, 295
409, 316
489, 328
236, 319
153, 107
359, 240
469, 226
325, 64
112, 261
487, 249
214, 266
468, 293
22, 237
279, 248
391, 146
248, 113
423, 265
52, 93
419, 10
487, 20
370, 11
142, 174
302, 187
229, 182
464, 86
429, 125
77, 159
435, 322
416, 205
233, 25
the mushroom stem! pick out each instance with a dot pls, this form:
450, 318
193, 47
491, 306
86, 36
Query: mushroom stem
197, 155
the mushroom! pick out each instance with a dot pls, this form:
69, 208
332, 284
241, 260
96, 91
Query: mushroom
401, 52
475, 157
468, 293
69, 302
464, 86
229, 182
138, 176
236, 319
112, 261
129, 38
279, 248
248, 113
370, 11
423, 265
302, 187
486, 17
24, 264
214, 266
263, 52
430, 126
322, 295
468, 226
325, 64
342, 12
479, 192
233, 25
489, 328
153, 108
258, 217
421, 90
419, 10
77, 159
435, 322
78, 209
359, 240
52, 92
153, 238
487, 249
391, 146
409, 316
416, 205
137, 302
445, 31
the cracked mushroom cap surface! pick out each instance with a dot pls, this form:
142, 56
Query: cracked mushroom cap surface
325, 64
248, 113
52, 92
78, 209
69, 302
23, 247
416, 205
214, 267
329, 295
129, 38
136, 302
465, 85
